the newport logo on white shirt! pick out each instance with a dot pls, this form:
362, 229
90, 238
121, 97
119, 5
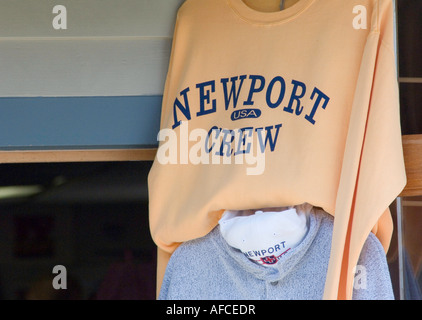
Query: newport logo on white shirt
264, 236
269, 255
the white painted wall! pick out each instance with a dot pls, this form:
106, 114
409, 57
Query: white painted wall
110, 47
89, 18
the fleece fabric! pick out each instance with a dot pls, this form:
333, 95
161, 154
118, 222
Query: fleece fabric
210, 269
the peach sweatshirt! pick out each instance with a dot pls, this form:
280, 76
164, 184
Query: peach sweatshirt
306, 98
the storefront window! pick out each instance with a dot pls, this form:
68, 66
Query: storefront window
405, 254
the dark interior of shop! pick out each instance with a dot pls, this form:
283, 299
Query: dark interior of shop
91, 218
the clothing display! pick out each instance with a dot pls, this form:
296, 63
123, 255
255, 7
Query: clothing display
275, 109
227, 274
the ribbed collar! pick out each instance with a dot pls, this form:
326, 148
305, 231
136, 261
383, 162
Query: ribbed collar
258, 17
284, 266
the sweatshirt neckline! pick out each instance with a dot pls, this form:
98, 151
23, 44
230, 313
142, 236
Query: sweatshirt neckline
285, 265
259, 17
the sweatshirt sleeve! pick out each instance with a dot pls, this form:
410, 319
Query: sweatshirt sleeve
373, 172
162, 293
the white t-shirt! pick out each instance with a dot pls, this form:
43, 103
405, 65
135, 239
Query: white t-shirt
265, 235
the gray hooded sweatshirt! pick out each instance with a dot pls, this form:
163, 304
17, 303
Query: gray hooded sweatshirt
209, 269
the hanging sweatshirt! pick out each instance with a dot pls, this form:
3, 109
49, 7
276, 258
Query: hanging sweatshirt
277, 109
217, 271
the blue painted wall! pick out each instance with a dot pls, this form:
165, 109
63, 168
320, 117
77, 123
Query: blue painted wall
79, 122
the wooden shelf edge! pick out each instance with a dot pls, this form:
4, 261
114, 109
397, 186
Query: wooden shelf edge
99, 155
412, 149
